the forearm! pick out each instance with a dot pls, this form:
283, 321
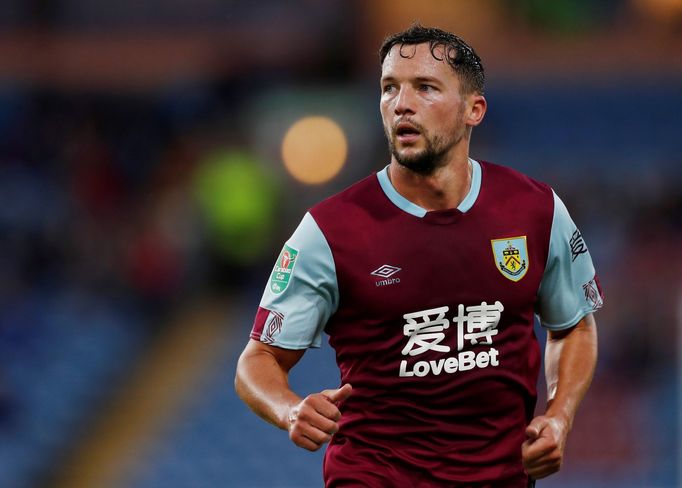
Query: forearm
262, 383
570, 360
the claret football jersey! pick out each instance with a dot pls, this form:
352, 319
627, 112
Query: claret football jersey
430, 314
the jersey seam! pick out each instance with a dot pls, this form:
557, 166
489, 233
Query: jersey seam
548, 249
331, 253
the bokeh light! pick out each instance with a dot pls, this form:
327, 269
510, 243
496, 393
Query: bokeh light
314, 150
237, 200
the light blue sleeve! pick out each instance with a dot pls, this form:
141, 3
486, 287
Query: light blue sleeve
301, 302
569, 289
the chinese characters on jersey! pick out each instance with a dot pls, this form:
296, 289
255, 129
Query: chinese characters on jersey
426, 331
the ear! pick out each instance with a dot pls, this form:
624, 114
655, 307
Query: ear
477, 106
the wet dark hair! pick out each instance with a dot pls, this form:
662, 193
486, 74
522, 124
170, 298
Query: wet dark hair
459, 55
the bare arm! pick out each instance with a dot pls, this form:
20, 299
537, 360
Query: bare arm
570, 360
262, 383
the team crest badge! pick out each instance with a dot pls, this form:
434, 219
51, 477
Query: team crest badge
281, 273
511, 257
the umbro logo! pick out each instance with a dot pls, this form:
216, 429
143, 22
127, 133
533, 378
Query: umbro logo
385, 271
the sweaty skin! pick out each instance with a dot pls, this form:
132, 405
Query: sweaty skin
570, 360
262, 383
423, 107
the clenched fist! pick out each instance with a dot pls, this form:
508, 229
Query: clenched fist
313, 421
543, 451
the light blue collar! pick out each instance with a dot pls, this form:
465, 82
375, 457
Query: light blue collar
404, 204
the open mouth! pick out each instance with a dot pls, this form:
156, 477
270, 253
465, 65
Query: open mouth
407, 132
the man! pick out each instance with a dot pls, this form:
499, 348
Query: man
426, 277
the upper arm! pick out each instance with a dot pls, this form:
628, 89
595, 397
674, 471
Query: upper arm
285, 358
569, 289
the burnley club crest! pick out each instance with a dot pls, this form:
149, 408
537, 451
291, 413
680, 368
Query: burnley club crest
511, 257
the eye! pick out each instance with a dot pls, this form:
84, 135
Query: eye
426, 87
388, 88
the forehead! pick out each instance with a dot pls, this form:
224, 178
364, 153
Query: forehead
416, 60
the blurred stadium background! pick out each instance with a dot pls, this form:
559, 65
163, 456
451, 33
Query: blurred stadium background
155, 155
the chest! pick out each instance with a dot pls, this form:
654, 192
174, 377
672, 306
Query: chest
389, 269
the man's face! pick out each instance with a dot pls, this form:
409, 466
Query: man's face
422, 108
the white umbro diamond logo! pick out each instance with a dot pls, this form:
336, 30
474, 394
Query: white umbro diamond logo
385, 271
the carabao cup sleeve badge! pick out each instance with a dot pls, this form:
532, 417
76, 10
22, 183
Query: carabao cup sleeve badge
511, 257
284, 267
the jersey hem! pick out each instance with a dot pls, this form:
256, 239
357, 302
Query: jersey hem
282, 345
569, 323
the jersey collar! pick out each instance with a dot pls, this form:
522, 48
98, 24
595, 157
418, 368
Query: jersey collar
412, 208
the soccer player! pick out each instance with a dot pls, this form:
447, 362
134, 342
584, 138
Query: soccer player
426, 277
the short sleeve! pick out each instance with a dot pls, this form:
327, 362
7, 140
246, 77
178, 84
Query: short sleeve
301, 293
570, 288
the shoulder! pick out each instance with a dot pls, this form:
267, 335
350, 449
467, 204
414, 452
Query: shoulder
504, 187
513, 196
356, 198
506, 179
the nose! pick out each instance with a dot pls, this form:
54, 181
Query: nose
404, 102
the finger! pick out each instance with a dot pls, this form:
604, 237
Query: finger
536, 426
320, 414
325, 425
552, 458
303, 429
319, 404
340, 394
532, 451
535, 466
316, 435
543, 471
305, 442
545, 466
324, 407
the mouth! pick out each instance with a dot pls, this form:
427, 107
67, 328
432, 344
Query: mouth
407, 133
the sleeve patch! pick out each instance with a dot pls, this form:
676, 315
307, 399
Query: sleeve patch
593, 293
577, 244
267, 325
281, 273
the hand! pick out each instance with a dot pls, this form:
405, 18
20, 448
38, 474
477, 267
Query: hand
313, 421
543, 451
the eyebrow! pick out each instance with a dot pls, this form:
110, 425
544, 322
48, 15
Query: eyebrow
418, 79
430, 79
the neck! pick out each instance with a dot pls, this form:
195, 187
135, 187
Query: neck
444, 189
